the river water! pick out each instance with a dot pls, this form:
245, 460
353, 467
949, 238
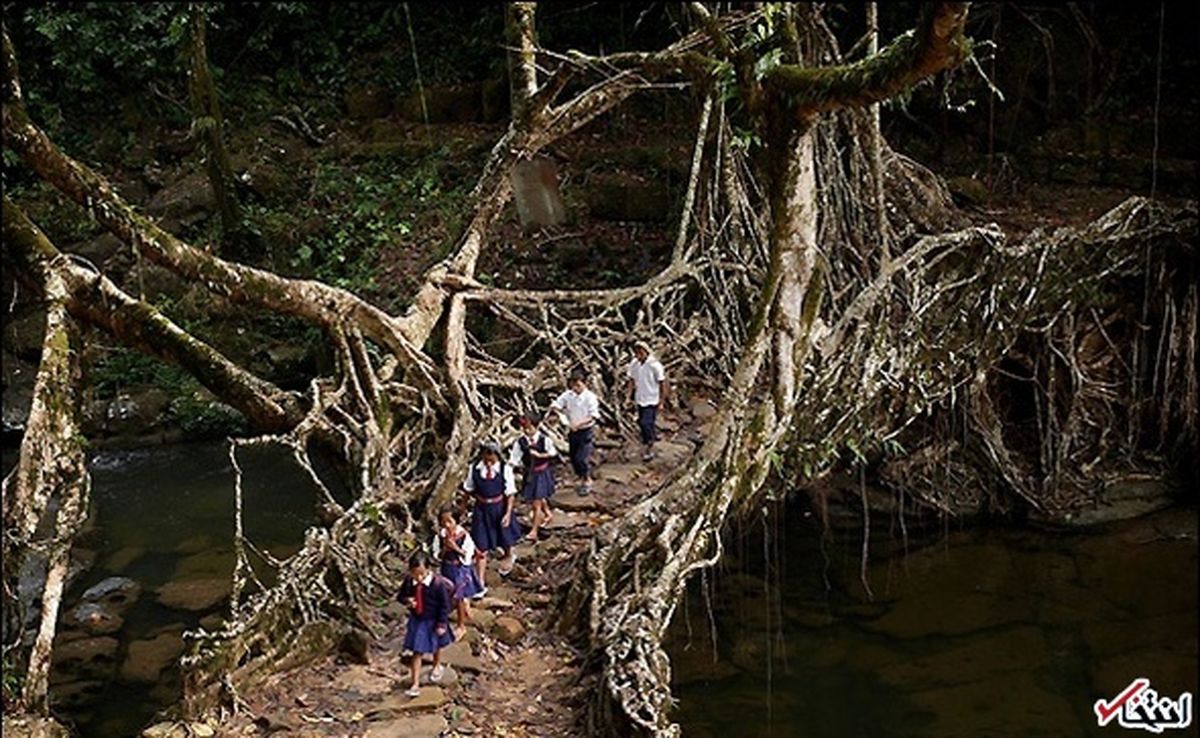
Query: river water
166, 514
981, 632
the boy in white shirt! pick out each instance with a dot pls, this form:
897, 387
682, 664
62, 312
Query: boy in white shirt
648, 384
581, 409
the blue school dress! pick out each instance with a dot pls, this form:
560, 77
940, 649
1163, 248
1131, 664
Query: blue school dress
461, 573
539, 474
487, 528
431, 605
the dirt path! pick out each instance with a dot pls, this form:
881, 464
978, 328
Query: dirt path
507, 675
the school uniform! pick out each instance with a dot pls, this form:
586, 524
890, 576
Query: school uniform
581, 407
491, 486
457, 566
647, 379
539, 473
432, 599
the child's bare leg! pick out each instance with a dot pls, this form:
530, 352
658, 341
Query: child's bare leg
462, 612
536, 517
416, 670
481, 567
437, 658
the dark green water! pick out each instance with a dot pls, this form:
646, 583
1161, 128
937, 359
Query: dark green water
982, 633
166, 514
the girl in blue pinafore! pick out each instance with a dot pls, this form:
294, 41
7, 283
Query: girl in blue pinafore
429, 598
493, 525
534, 452
453, 547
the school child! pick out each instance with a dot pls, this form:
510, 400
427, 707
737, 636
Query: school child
493, 525
648, 383
453, 547
581, 409
429, 597
534, 452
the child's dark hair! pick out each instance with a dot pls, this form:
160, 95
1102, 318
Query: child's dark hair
444, 511
418, 558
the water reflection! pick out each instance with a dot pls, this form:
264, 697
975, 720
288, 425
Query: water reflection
989, 632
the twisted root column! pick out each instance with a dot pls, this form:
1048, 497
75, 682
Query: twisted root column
52, 465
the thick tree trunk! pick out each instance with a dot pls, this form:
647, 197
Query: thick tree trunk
522, 44
51, 466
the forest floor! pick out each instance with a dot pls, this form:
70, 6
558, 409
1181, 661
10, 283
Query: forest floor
509, 673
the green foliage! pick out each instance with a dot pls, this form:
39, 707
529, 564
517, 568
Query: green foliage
63, 221
122, 367
90, 42
11, 678
363, 209
200, 416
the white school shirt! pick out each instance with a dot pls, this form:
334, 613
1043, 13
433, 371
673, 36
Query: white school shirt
516, 458
647, 377
510, 486
467, 546
579, 407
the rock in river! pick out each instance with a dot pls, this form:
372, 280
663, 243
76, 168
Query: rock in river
194, 594
147, 658
117, 594
95, 618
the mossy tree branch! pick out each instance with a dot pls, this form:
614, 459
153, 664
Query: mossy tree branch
937, 43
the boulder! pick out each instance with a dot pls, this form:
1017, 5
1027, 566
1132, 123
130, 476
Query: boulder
100, 249
570, 500
393, 706
147, 658
87, 658
355, 646
363, 681
195, 594
482, 619
460, 656
124, 557
431, 725
215, 562
619, 473
117, 594
968, 191
212, 622
136, 411
488, 602
72, 695
182, 202
367, 102
508, 629
196, 544
94, 618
